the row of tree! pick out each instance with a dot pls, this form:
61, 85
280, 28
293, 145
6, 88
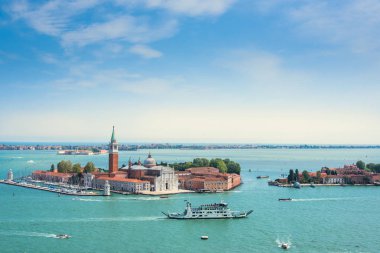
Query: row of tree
305, 178
330, 172
372, 167
224, 165
66, 166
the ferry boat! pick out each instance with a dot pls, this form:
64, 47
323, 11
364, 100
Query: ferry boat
261, 177
208, 211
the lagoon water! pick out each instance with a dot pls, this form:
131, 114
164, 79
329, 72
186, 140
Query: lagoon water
322, 219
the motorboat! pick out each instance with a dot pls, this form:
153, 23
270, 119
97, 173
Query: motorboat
297, 185
285, 246
260, 177
287, 199
62, 236
204, 237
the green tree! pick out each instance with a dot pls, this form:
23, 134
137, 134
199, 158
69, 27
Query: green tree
89, 168
360, 164
218, 163
52, 167
64, 166
297, 176
376, 168
201, 162
233, 167
291, 176
305, 177
77, 168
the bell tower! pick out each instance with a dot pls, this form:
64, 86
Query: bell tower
113, 157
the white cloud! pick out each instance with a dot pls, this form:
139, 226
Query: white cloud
192, 7
351, 24
87, 77
265, 73
124, 27
51, 18
60, 19
145, 51
49, 58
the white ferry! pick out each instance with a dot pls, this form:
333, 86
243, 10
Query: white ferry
208, 211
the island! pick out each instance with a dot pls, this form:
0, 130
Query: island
147, 177
351, 174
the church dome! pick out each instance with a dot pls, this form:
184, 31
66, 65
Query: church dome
150, 162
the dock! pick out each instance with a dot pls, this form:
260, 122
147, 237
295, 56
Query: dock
62, 191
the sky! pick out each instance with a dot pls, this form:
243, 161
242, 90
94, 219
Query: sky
260, 71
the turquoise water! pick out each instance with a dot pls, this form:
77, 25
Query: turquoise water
322, 219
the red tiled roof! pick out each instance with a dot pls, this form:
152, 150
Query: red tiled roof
130, 180
51, 173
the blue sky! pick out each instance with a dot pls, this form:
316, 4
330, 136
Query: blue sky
190, 71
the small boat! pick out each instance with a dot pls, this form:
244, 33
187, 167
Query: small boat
204, 237
250, 170
260, 177
287, 199
164, 197
297, 185
285, 246
62, 236
312, 185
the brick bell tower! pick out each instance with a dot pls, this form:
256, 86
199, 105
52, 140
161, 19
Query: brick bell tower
113, 157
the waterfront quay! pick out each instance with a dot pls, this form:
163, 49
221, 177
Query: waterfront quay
318, 185
63, 191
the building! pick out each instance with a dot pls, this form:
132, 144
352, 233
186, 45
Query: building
122, 184
146, 177
207, 179
113, 157
133, 178
50, 176
161, 178
10, 175
88, 178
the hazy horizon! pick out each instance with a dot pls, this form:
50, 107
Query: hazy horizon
225, 71
174, 143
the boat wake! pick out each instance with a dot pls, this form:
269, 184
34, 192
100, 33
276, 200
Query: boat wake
30, 161
147, 198
321, 199
25, 233
89, 200
117, 199
17, 157
124, 219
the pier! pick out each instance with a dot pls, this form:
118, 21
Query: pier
62, 191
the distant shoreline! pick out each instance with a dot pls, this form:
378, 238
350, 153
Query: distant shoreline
135, 147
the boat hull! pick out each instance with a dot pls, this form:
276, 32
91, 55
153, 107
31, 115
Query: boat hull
181, 217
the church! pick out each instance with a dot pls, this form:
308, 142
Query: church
141, 178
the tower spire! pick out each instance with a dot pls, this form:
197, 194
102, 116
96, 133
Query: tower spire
113, 157
113, 134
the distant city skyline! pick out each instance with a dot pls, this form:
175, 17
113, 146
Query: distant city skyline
190, 71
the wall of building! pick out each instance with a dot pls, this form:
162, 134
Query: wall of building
122, 185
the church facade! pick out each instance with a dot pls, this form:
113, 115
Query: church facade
161, 178
140, 178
